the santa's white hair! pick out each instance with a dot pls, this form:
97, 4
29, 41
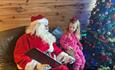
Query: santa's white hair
39, 30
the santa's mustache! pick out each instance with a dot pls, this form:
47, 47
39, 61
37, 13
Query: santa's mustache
46, 36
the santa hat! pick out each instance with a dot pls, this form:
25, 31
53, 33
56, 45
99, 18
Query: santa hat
40, 19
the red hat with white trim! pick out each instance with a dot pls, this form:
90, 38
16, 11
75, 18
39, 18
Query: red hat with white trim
40, 19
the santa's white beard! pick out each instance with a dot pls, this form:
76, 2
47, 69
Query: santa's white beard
45, 35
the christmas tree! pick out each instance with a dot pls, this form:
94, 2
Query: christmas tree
99, 42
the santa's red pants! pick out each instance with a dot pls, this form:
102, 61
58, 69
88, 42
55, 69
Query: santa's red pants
62, 67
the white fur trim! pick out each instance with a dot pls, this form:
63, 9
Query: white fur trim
32, 25
31, 65
51, 48
43, 21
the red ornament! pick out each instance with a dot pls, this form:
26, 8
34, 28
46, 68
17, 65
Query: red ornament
103, 39
104, 57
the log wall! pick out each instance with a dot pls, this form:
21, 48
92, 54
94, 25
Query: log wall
17, 13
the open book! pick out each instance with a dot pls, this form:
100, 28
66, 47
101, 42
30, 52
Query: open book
42, 58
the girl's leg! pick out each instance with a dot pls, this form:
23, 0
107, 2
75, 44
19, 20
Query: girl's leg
78, 62
82, 59
76, 67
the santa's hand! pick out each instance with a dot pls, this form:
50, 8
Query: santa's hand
65, 60
43, 67
68, 59
72, 60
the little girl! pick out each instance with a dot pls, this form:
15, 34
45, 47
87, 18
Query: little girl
71, 44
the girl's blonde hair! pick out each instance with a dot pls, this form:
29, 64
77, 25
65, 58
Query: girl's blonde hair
77, 31
76, 23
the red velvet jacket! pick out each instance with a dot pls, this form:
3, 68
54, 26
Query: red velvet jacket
25, 43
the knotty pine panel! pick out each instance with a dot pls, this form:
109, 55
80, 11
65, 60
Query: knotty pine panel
17, 13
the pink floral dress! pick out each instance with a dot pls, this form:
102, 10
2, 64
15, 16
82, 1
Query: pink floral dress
71, 40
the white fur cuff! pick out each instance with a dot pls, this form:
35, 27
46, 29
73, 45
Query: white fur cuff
43, 21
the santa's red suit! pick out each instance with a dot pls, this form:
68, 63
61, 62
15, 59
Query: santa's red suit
29, 41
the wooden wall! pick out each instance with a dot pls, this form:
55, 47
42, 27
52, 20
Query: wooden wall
17, 13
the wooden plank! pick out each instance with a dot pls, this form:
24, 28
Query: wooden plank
10, 26
16, 13
40, 3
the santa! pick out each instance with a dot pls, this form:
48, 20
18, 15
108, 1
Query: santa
37, 36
